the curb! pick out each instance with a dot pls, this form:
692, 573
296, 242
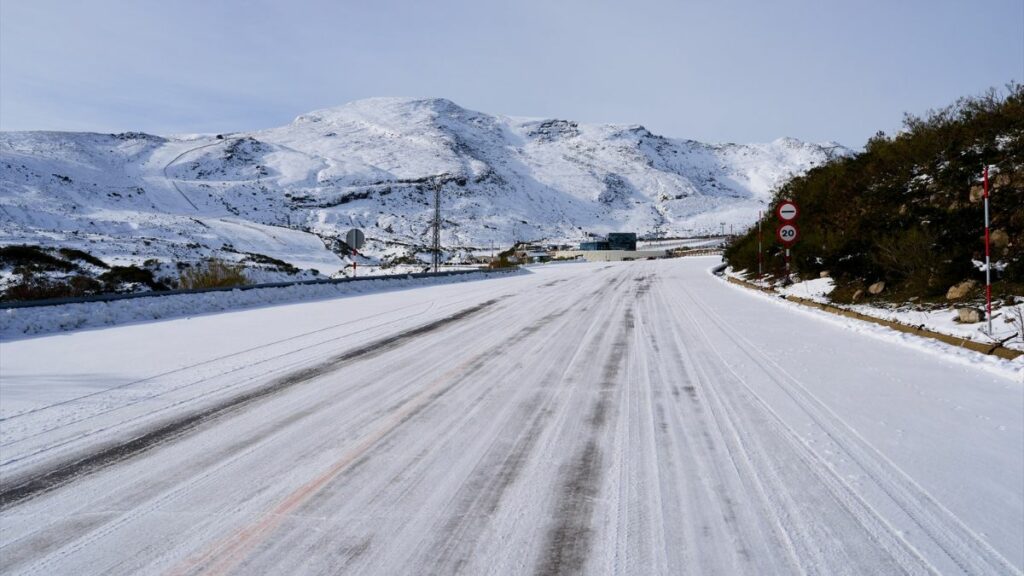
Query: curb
990, 349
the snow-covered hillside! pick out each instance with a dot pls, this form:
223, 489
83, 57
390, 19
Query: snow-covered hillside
289, 193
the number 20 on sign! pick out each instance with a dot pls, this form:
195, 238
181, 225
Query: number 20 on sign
787, 234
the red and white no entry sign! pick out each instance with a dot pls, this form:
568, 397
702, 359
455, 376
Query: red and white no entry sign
787, 211
787, 234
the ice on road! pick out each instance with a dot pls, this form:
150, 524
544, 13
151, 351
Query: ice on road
625, 418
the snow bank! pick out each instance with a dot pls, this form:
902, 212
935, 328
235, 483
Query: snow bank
1004, 322
1005, 319
21, 322
818, 287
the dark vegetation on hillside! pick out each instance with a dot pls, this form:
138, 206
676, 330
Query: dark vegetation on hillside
40, 273
908, 210
29, 272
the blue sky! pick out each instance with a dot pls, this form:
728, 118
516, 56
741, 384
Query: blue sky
738, 71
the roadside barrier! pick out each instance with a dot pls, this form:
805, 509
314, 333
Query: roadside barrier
697, 252
993, 349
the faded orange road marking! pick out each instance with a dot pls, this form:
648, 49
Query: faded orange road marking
226, 554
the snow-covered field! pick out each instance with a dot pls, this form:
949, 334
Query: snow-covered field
631, 418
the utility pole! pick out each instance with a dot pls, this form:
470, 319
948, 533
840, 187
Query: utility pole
437, 224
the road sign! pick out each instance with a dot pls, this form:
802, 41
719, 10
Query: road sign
355, 238
787, 234
787, 211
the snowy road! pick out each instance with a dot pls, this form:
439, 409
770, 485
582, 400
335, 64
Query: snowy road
632, 418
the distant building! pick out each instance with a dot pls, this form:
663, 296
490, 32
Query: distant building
615, 241
617, 246
622, 241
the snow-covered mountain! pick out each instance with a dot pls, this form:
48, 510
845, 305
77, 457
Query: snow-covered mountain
289, 193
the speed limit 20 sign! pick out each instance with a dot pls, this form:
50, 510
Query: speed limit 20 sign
787, 234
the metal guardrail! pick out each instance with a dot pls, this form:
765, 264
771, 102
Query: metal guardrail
683, 252
134, 295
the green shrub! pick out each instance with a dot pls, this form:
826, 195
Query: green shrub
901, 211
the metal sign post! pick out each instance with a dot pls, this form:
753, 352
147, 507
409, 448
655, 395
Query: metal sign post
988, 259
355, 239
787, 235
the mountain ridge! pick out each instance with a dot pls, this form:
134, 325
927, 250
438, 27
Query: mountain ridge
291, 191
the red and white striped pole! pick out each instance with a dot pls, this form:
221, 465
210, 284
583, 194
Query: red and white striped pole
988, 263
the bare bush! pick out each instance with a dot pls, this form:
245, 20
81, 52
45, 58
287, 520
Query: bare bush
213, 274
1015, 316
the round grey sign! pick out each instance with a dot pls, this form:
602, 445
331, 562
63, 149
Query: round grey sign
355, 238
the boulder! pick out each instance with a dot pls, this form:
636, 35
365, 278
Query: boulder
823, 274
999, 238
958, 291
977, 193
876, 288
969, 315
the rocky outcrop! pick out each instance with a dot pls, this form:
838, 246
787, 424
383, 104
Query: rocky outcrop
961, 290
